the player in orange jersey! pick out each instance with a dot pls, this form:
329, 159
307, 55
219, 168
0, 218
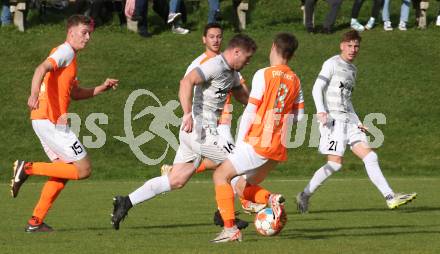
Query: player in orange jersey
275, 101
53, 85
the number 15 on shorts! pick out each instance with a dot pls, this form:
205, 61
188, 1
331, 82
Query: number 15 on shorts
77, 148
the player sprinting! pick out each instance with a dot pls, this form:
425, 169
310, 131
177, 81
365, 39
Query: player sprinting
212, 39
53, 85
340, 126
198, 136
275, 101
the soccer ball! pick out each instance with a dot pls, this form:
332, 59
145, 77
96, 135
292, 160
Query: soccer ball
266, 224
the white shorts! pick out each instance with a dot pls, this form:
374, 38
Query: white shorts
206, 143
224, 131
336, 135
58, 141
245, 160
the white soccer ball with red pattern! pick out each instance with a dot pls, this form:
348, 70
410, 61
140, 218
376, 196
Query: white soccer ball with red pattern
266, 224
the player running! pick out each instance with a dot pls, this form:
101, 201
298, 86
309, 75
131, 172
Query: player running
198, 136
212, 39
275, 101
53, 84
340, 126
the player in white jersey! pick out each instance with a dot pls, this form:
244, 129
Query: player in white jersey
212, 39
198, 136
340, 125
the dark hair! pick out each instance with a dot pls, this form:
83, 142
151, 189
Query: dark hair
285, 44
244, 42
351, 35
77, 19
211, 25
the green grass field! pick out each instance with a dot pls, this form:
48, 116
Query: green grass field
397, 76
347, 216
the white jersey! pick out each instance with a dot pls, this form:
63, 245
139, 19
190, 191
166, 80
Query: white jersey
209, 97
197, 62
339, 77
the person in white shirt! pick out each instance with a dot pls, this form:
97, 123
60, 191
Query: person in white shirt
202, 96
340, 126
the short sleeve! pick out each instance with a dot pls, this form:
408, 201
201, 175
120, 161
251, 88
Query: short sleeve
326, 72
62, 56
258, 87
209, 69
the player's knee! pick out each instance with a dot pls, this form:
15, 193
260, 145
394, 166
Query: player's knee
333, 166
221, 177
177, 183
84, 172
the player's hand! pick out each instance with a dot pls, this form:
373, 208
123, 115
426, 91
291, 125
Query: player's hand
187, 122
362, 127
322, 117
33, 102
110, 83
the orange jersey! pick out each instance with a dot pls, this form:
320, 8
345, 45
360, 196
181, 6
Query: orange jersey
277, 93
54, 97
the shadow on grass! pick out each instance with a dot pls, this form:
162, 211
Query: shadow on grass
170, 226
382, 230
330, 236
400, 210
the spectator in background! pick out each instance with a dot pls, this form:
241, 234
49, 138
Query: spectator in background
437, 23
357, 4
214, 11
174, 18
6, 16
140, 15
421, 8
404, 13
329, 19
171, 14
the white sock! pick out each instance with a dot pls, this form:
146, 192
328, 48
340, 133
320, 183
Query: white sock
375, 174
320, 176
150, 189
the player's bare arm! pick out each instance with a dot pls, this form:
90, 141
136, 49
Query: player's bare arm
37, 80
322, 117
185, 96
79, 93
241, 94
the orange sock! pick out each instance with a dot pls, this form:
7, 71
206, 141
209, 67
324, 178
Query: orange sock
49, 193
53, 169
201, 168
256, 194
225, 203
